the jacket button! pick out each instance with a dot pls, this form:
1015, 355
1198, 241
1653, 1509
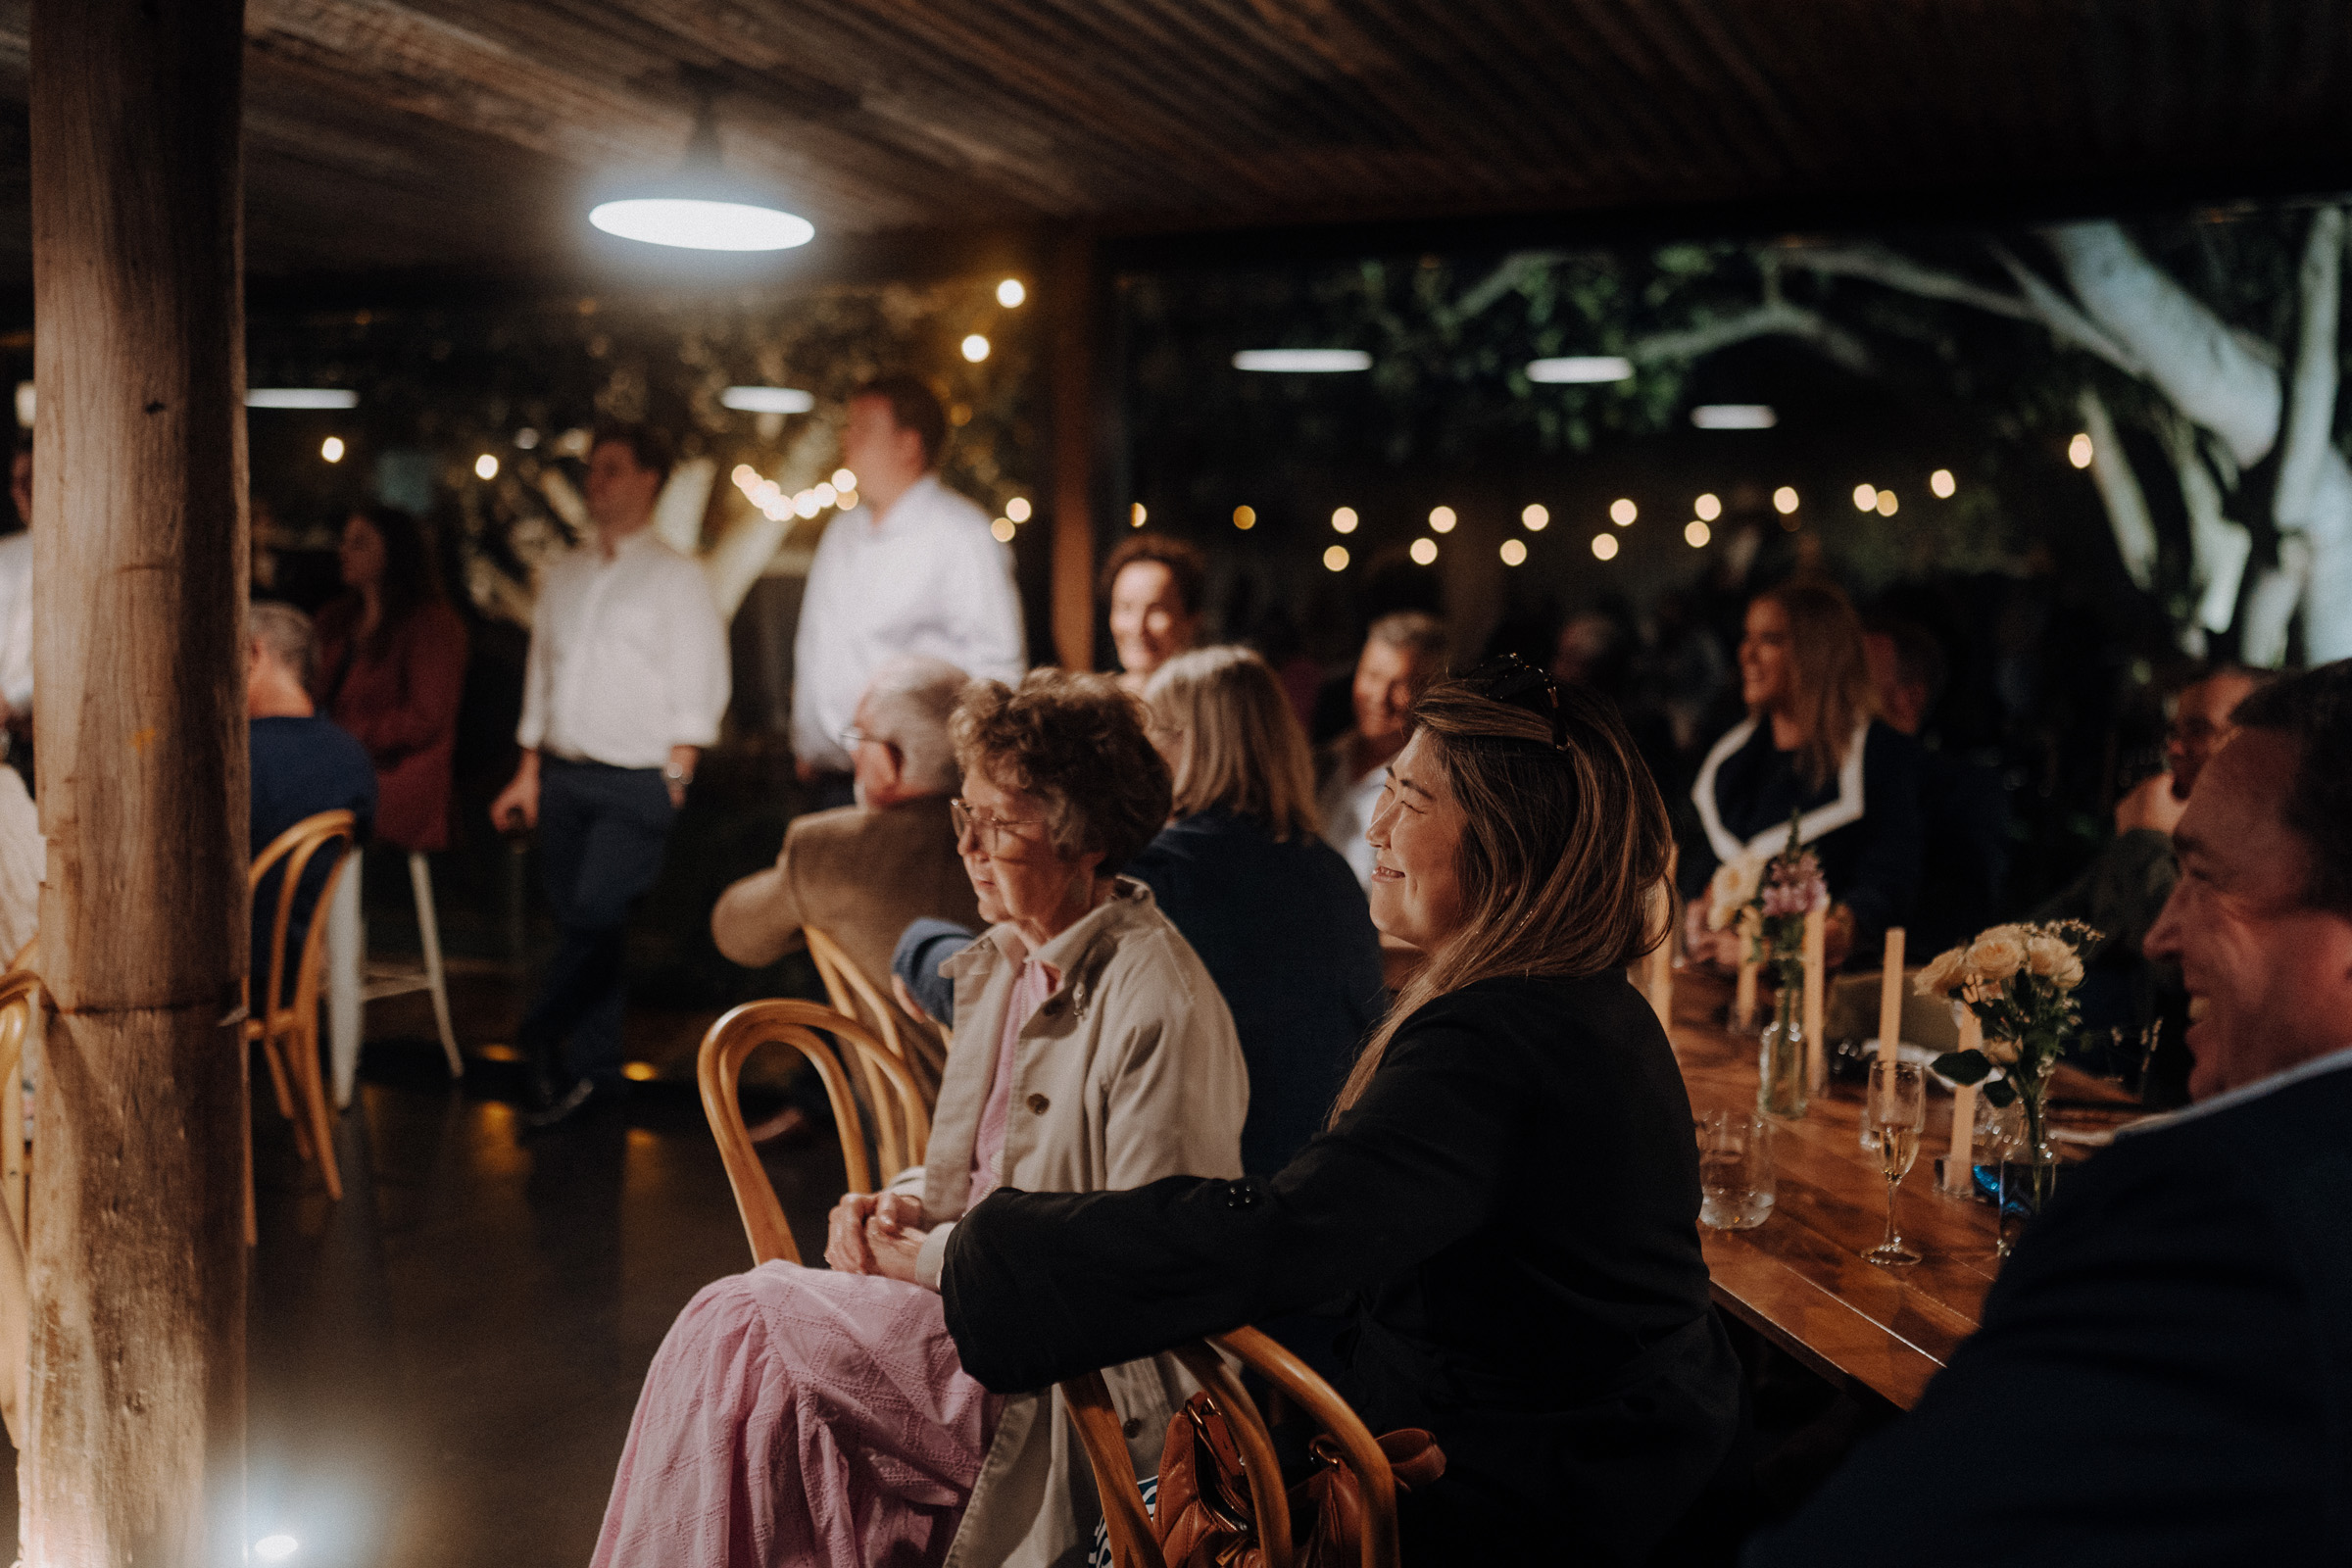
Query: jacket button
1239, 1194
1132, 1427
1039, 1104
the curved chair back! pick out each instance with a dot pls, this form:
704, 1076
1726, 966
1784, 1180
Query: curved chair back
856, 996
799, 1025
1132, 1542
288, 1030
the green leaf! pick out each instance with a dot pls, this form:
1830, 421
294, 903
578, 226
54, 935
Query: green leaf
1964, 1066
2000, 1093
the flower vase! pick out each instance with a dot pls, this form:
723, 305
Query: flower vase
2028, 1164
1780, 1059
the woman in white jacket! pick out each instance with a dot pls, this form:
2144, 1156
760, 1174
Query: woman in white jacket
798, 1415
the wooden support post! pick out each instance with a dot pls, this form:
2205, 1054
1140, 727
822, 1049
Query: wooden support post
137, 1257
1071, 298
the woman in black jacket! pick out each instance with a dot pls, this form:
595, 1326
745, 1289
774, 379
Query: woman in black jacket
1509, 1189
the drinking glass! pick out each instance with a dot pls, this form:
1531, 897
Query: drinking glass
1735, 1170
1897, 1108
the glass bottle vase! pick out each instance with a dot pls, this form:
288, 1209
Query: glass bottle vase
1781, 1060
2029, 1166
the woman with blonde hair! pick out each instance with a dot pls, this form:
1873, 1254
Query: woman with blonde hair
1812, 745
1507, 1192
1273, 912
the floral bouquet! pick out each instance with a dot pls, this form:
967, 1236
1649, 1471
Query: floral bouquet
2020, 982
1769, 900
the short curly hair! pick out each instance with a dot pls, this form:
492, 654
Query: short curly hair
1078, 743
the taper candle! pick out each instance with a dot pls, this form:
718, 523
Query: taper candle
1890, 995
1959, 1164
1817, 1056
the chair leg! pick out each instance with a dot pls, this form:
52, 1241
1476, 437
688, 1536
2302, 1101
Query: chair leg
277, 1078
305, 1041
346, 965
428, 930
253, 1224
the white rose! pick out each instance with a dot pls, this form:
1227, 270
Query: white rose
1997, 955
2069, 973
2000, 1053
2047, 955
1942, 970
1732, 888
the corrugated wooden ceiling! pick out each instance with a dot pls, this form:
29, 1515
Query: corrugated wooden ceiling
456, 137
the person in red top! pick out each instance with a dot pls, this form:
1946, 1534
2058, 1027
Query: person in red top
391, 665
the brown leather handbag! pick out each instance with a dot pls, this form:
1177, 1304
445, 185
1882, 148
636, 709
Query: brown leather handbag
1203, 1517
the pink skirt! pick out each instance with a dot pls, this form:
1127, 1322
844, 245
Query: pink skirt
800, 1416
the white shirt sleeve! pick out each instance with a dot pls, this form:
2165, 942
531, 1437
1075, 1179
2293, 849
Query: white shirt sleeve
698, 676
812, 641
986, 627
537, 672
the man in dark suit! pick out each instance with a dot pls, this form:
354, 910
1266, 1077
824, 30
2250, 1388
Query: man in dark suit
2164, 1375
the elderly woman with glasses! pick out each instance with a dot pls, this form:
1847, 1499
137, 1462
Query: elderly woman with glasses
798, 1415
1507, 1193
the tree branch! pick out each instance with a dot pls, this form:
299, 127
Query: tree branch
2311, 394
2065, 324
1898, 271
1507, 276
2219, 546
2119, 490
1765, 321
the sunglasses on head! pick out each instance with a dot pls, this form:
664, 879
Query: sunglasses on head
1512, 680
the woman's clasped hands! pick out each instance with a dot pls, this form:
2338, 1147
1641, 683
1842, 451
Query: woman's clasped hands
876, 1233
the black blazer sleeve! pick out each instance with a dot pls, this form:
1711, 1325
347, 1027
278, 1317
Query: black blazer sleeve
1884, 878
1041, 1285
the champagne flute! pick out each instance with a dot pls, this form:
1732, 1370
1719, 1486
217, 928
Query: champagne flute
1897, 1109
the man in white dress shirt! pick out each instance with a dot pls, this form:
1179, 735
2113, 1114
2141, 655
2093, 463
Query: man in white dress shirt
912, 569
1403, 653
625, 684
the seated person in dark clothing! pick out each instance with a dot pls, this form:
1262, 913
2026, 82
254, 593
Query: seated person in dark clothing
1811, 745
1964, 812
302, 765
2120, 894
1273, 912
1507, 1193
2176, 1320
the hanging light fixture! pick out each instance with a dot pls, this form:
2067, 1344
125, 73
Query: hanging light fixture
702, 207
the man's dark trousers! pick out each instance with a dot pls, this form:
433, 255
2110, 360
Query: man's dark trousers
600, 834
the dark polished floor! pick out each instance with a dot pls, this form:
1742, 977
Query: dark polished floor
443, 1365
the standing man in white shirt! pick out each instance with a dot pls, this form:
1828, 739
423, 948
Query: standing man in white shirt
912, 569
625, 684
1404, 652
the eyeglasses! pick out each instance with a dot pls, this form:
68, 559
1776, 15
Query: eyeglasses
1512, 680
987, 829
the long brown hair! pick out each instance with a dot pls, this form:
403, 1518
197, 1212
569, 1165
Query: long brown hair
1242, 750
1831, 669
1561, 847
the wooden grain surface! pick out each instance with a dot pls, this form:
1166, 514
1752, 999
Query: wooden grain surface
1799, 1278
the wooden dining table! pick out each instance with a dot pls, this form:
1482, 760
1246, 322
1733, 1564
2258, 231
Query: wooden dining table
1799, 1279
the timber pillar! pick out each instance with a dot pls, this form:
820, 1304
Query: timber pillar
138, 1260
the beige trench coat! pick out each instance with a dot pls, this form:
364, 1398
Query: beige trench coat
1130, 1071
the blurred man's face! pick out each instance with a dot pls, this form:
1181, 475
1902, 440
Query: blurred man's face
2268, 977
621, 492
1387, 680
1902, 703
884, 456
2201, 726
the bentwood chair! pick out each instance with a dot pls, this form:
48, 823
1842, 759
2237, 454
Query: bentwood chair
287, 1030
856, 996
802, 1026
1129, 1526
